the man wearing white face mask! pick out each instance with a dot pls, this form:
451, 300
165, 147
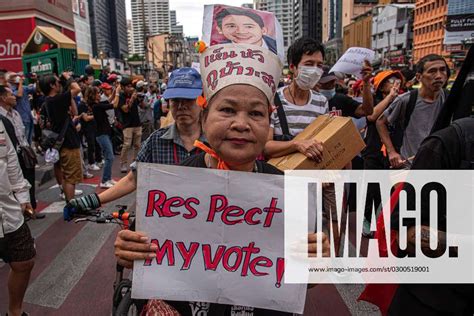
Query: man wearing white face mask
299, 103
344, 105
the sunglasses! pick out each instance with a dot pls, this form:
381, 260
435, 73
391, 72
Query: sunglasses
393, 80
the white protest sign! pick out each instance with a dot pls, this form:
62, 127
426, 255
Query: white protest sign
220, 237
196, 66
225, 24
352, 61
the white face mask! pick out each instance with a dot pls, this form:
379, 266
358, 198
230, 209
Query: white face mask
308, 77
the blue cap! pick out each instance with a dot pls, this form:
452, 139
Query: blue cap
184, 83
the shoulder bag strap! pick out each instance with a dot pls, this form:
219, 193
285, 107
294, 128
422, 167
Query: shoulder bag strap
281, 115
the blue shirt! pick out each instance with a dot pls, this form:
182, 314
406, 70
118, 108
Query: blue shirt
165, 146
23, 105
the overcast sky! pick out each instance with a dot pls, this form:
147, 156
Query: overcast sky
189, 12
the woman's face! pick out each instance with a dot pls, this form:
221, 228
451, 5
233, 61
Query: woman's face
237, 124
350, 83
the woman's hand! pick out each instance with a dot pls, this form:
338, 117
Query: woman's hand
130, 246
312, 245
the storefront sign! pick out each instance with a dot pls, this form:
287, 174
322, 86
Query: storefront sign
44, 66
13, 37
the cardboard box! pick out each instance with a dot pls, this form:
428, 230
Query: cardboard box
341, 143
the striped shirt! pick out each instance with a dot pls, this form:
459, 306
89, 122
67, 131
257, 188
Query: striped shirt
299, 116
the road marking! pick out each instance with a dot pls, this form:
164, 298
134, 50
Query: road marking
55, 207
92, 185
53, 285
351, 292
38, 227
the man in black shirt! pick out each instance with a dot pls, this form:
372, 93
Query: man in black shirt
440, 151
342, 105
128, 103
60, 106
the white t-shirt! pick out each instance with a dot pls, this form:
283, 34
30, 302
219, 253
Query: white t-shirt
299, 116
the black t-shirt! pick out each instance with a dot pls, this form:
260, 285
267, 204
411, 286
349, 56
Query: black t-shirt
372, 141
437, 154
346, 104
198, 161
207, 309
37, 101
456, 299
90, 126
58, 112
130, 118
101, 118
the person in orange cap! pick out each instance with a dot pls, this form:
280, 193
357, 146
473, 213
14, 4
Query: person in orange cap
386, 85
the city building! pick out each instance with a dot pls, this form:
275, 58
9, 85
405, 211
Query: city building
167, 52
325, 20
80, 8
157, 51
108, 28
354, 8
459, 33
384, 2
428, 28
119, 35
333, 41
308, 19
284, 12
130, 38
192, 56
359, 32
149, 17
174, 27
260, 4
392, 34
335, 19
18, 19
443, 27
337, 14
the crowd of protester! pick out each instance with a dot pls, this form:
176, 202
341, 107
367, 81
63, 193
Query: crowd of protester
115, 115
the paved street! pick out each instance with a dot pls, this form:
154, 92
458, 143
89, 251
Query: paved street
75, 265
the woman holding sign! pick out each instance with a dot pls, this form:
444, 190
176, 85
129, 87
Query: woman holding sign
239, 85
236, 122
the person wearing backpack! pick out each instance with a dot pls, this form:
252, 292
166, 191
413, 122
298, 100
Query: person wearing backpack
413, 114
